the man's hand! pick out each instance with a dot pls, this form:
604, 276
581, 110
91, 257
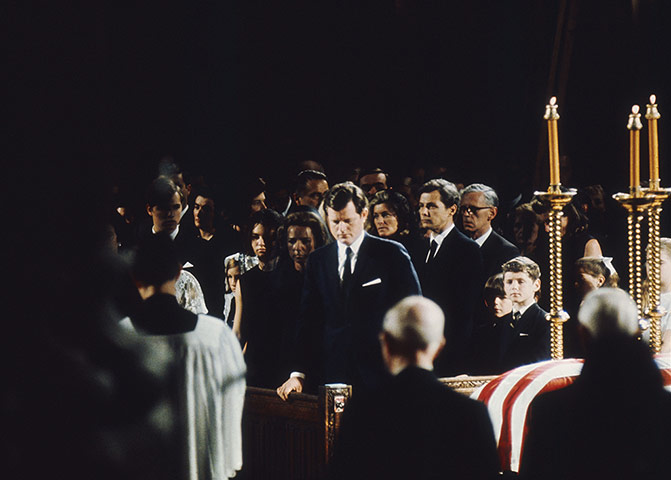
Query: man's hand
294, 384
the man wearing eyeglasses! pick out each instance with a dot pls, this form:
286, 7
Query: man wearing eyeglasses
450, 271
479, 206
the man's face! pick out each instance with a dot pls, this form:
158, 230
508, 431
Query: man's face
373, 183
258, 203
346, 225
433, 214
300, 242
520, 287
476, 215
314, 191
166, 217
203, 213
263, 241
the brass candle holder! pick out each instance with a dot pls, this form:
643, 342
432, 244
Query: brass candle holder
655, 312
637, 203
557, 316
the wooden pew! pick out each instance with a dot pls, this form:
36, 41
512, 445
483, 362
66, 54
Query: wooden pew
294, 439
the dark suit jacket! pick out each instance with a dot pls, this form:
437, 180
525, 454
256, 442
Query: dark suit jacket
454, 280
612, 422
528, 342
495, 252
414, 427
338, 331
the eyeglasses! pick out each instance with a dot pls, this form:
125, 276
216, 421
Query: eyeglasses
470, 209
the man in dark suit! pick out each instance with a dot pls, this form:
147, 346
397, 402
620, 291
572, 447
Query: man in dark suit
449, 266
164, 207
523, 336
414, 426
614, 420
349, 285
479, 206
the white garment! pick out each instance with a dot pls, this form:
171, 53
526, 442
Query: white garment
189, 293
665, 303
212, 371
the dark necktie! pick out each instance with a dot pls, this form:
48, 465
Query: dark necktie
432, 250
347, 272
516, 319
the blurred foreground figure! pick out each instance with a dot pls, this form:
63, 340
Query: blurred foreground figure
208, 367
414, 426
614, 420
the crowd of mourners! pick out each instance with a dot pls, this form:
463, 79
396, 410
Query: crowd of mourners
245, 263
300, 277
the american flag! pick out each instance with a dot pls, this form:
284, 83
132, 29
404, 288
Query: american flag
509, 395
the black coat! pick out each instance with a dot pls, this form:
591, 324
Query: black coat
414, 427
338, 331
495, 252
453, 279
528, 342
613, 422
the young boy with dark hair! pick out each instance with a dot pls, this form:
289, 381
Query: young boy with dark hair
523, 335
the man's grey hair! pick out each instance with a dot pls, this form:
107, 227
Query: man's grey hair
608, 312
415, 323
489, 193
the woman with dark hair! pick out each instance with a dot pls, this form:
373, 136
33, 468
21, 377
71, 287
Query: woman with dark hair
390, 217
251, 293
524, 230
302, 233
577, 242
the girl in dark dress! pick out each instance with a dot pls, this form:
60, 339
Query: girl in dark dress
251, 323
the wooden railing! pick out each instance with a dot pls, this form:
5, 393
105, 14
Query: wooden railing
294, 439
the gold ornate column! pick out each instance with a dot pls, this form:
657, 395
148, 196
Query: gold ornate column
655, 311
637, 204
557, 315
658, 194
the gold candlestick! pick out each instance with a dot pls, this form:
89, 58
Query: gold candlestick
637, 204
634, 126
655, 311
557, 315
552, 116
652, 115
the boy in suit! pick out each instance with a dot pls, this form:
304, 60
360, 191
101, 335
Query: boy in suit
522, 336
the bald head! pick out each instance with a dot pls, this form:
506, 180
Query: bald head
608, 312
413, 329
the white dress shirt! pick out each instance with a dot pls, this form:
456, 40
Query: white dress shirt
438, 239
342, 255
483, 238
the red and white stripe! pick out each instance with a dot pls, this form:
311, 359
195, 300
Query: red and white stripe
509, 395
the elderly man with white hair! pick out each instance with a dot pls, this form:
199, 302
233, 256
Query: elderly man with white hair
614, 421
414, 426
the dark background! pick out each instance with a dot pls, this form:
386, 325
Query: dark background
230, 88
